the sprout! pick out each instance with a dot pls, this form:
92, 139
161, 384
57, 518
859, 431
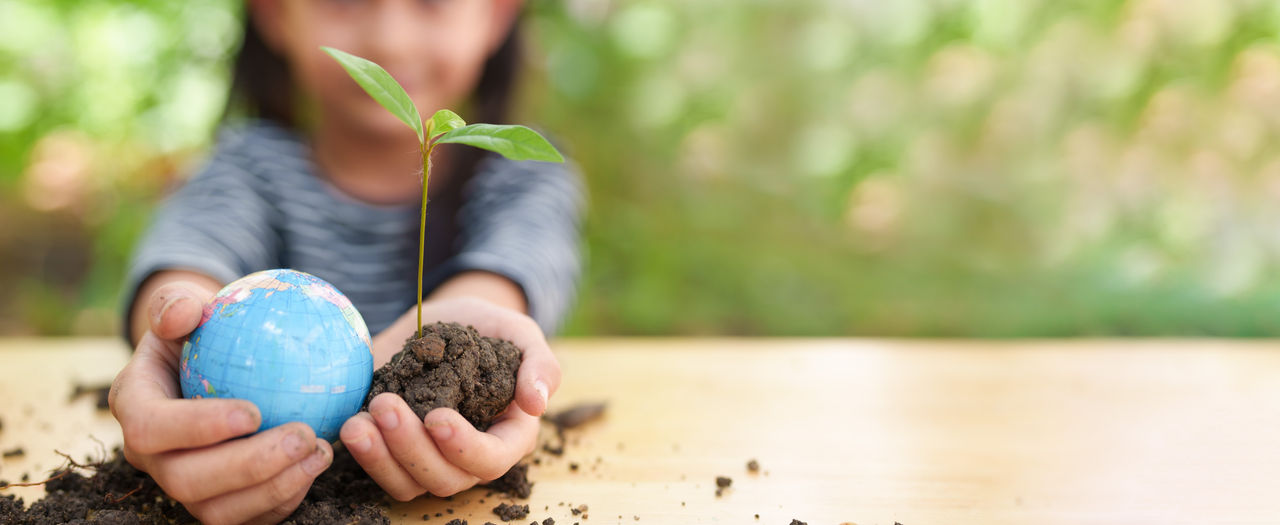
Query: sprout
445, 127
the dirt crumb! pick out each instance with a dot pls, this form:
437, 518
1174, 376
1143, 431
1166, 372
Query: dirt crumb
722, 484
15, 452
753, 466
576, 415
100, 394
514, 483
507, 512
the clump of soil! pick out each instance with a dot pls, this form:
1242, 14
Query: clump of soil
115, 489
118, 493
753, 466
507, 512
14, 453
722, 483
514, 483
452, 366
343, 493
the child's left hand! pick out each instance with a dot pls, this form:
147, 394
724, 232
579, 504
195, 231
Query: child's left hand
444, 454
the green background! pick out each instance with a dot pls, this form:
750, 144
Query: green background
995, 168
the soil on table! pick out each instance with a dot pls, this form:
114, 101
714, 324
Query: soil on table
101, 394
115, 492
514, 483
452, 366
508, 512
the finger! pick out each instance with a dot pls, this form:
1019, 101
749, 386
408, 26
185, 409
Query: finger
361, 437
239, 464
282, 511
409, 444
153, 422
175, 310
271, 496
485, 455
538, 378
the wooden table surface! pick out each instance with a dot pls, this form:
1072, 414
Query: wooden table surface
856, 431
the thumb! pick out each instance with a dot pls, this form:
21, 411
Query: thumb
175, 310
537, 379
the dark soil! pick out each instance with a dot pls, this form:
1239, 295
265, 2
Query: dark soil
569, 418
507, 512
514, 483
15, 453
797, 522
452, 366
100, 394
115, 492
722, 484
576, 415
753, 466
342, 494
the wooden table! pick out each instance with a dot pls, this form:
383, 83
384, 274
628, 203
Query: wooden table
858, 431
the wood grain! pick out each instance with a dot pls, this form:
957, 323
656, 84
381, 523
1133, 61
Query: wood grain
856, 431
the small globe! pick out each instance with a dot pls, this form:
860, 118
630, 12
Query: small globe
287, 341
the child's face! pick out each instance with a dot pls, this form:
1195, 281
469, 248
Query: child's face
436, 49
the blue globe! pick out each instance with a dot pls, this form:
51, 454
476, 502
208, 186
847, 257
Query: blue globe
287, 341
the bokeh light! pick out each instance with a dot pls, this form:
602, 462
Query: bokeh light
803, 167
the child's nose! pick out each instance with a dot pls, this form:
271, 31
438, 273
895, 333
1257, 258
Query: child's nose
399, 31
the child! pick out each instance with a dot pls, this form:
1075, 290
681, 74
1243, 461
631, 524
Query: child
325, 181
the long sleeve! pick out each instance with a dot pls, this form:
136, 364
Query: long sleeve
521, 220
219, 223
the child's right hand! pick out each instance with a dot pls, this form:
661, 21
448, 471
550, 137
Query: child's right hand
186, 444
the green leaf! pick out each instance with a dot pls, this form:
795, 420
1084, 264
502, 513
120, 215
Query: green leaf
512, 142
444, 121
382, 87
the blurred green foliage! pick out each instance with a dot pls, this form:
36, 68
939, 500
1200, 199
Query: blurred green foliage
801, 167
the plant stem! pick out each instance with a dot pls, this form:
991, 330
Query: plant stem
422, 225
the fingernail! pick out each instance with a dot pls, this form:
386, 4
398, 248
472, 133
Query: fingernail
295, 445
168, 304
241, 421
387, 419
440, 430
317, 461
541, 387
362, 445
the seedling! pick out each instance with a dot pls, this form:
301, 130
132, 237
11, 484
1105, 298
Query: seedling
445, 127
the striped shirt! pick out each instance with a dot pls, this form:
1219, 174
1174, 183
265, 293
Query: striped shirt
258, 203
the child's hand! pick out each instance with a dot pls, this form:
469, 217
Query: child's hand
444, 454
183, 443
